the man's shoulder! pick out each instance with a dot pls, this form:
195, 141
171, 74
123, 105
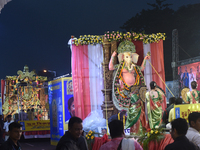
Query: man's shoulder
5, 146
105, 146
192, 133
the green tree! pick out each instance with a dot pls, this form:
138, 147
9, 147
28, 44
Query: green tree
158, 19
187, 22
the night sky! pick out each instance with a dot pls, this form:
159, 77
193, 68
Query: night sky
36, 32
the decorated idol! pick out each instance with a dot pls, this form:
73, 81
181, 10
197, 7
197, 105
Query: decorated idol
128, 84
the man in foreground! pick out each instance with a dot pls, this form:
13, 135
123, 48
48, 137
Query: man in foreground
179, 130
72, 139
118, 141
6, 126
194, 129
15, 132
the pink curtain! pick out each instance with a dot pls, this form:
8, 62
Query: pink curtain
80, 78
158, 63
2, 90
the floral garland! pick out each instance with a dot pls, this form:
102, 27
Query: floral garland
123, 100
155, 134
118, 36
88, 39
146, 38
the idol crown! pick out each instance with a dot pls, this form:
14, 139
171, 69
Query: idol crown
126, 46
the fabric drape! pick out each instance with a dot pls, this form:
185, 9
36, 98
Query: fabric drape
80, 78
148, 68
2, 90
95, 57
158, 63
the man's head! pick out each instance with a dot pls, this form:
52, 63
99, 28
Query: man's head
190, 70
194, 120
71, 107
185, 68
194, 84
172, 100
75, 127
116, 128
179, 127
9, 118
179, 101
15, 131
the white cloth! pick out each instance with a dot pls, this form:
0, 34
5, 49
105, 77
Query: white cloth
148, 68
95, 58
6, 128
193, 136
128, 144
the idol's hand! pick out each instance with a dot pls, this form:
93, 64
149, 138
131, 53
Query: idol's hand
114, 54
147, 57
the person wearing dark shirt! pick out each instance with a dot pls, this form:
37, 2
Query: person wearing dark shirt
15, 132
1, 129
178, 132
72, 139
166, 112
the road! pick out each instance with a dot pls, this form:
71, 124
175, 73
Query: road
37, 144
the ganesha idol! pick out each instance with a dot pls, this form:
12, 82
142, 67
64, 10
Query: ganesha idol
129, 89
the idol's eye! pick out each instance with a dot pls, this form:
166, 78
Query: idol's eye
131, 56
126, 56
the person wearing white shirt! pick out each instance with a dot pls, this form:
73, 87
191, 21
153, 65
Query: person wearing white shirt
6, 126
193, 134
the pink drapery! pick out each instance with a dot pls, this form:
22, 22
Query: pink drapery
80, 78
158, 63
2, 90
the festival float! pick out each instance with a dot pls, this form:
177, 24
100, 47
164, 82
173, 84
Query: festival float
99, 83
27, 102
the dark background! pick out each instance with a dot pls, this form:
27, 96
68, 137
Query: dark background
36, 32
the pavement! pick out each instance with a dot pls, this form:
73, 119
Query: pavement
37, 144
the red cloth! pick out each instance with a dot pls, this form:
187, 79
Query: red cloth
100, 141
139, 51
162, 144
152, 145
2, 90
158, 63
80, 78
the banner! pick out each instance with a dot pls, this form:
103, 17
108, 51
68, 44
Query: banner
61, 106
35, 125
183, 111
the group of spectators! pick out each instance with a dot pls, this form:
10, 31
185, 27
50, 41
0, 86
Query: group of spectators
184, 138
31, 114
12, 131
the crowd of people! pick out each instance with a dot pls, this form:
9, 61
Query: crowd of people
186, 135
185, 138
31, 114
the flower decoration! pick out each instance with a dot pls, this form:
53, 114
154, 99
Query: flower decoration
155, 134
146, 38
90, 139
88, 40
118, 36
